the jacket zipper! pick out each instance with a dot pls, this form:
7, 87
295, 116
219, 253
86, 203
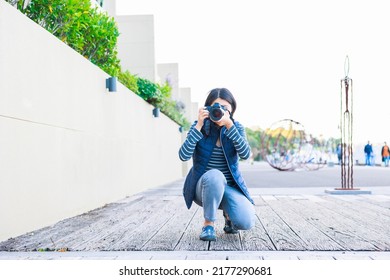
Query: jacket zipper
227, 161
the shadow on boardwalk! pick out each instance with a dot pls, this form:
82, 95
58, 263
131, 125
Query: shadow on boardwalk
157, 220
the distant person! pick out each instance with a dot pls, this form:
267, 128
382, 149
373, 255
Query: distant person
339, 153
216, 142
385, 154
368, 152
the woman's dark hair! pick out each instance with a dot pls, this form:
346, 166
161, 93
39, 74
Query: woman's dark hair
224, 94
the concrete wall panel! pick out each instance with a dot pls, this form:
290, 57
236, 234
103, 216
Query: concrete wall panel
67, 145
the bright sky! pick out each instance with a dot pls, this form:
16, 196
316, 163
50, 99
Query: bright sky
281, 58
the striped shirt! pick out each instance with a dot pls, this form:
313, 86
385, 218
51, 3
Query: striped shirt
188, 147
194, 136
218, 161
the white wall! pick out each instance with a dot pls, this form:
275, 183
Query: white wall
110, 7
67, 145
136, 45
169, 72
189, 112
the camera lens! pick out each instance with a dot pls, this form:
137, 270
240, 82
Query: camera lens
216, 114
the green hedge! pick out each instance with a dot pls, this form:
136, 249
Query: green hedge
88, 31
94, 35
159, 95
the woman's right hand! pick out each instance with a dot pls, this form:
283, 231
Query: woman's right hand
202, 115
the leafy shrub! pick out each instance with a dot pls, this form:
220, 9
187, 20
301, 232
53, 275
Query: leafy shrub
129, 81
94, 34
87, 30
149, 91
170, 107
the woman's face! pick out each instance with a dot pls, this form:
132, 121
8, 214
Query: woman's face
223, 103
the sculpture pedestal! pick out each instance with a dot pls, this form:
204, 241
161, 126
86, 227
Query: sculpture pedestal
347, 191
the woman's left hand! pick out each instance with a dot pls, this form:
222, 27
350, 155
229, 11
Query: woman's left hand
225, 120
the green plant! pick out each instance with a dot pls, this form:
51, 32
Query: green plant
89, 31
169, 108
94, 35
129, 80
254, 137
149, 91
165, 90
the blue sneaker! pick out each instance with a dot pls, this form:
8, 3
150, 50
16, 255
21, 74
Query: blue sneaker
208, 234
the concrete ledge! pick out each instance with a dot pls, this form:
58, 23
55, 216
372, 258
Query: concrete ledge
347, 191
198, 255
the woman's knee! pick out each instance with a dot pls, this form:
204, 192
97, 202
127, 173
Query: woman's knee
214, 177
243, 217
212, 184
245, 222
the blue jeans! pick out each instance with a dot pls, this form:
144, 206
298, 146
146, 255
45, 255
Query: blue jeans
368, 159
213, 193
386, 160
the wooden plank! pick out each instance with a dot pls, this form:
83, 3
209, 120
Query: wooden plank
314, 198
55, 236
225, 242
342, 230
370, 206
190, 240
167, 238
258, 200
256, 239
379, 197
364, 209
379, 200
104, 218
373, 227
268, 197
157, 222
102, 235
281, 235
307, 232
137, 236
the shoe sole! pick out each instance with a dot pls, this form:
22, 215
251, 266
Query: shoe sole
230, 231
208, 239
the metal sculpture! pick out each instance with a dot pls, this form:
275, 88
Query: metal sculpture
346, 129
287, 147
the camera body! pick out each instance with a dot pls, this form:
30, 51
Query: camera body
216, 112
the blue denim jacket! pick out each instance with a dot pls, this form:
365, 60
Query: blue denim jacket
202, 154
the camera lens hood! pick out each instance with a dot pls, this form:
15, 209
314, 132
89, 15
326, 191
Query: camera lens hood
216, 112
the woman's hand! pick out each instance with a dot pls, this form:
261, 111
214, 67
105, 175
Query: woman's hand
202, 115
225, 120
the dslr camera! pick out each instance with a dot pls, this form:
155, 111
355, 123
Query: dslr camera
216, 111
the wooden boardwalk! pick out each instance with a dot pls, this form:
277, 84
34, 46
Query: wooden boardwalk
157, 220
